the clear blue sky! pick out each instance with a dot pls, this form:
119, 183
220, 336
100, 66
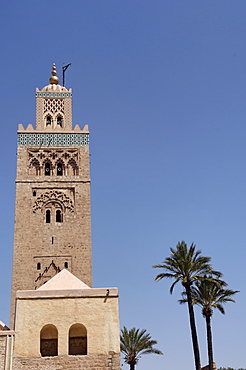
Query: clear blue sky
162, 85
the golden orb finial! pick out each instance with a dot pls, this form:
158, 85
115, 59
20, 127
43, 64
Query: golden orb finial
54, 79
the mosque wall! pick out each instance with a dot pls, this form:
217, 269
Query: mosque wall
94, 310
111, 361
6, 349
2, 350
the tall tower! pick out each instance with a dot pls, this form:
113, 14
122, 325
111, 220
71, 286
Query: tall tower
52, 210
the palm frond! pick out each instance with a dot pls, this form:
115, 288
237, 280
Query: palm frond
186, 265
173, 285
134, 343
209, 293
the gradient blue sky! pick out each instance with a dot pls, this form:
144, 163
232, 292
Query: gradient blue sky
162, 85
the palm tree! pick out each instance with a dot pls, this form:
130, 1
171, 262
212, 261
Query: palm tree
209, 295
134, 343
186, 265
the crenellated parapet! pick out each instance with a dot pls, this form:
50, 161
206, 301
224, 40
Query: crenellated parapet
30, 128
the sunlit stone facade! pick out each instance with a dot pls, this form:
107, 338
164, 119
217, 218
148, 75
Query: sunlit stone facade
58, 319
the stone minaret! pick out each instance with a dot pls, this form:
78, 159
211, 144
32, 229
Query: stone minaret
52, 210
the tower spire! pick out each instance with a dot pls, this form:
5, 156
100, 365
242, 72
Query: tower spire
54, 79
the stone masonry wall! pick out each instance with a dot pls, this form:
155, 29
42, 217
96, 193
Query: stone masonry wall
39, 243
93, 362
2, 351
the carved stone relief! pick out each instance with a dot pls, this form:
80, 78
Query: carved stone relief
67, 159
47, 274
53, 196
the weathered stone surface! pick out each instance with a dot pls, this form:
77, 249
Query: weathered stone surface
92, 362
53, 232
2, 351
41, 248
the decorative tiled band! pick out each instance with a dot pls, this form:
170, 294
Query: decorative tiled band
53, 139
53, 95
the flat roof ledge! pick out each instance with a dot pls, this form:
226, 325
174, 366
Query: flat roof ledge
71, 293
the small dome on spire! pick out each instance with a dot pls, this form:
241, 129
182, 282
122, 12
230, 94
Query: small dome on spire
54, 79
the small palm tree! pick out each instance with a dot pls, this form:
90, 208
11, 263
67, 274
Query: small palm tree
134, 343
186, 265
208, 296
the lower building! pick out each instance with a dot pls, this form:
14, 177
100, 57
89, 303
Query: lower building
64, 324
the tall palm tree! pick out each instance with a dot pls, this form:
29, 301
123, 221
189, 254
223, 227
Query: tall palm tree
134, 343
208, 296
186, 265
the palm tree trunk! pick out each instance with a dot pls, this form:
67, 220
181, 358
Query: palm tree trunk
132, 366
193, 329
209, 342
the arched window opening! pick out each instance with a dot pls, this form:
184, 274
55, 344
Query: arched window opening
59, 121
49, 341
34, 193
38, 266
34, 168
47, 169
58, 216
66, 265
77, 340
73, 169
47, 216
48, 121
59, 169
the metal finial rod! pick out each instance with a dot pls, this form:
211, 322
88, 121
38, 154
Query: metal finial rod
64, 68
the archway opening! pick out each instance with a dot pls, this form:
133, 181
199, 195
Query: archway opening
49, 341
73, 169
47, 169
34, 168
59, 169
77, 340
48, 121
47, 216
59, 121
58, 216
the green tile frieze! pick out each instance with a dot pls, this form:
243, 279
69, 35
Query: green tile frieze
50, 139
54, 95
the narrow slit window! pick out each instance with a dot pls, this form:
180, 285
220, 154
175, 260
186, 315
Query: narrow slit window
59, 169
59, 121
48, 121
38, 266
66, 265
47, 169
47, 216
58, 216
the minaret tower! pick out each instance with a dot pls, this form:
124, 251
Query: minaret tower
52, 210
